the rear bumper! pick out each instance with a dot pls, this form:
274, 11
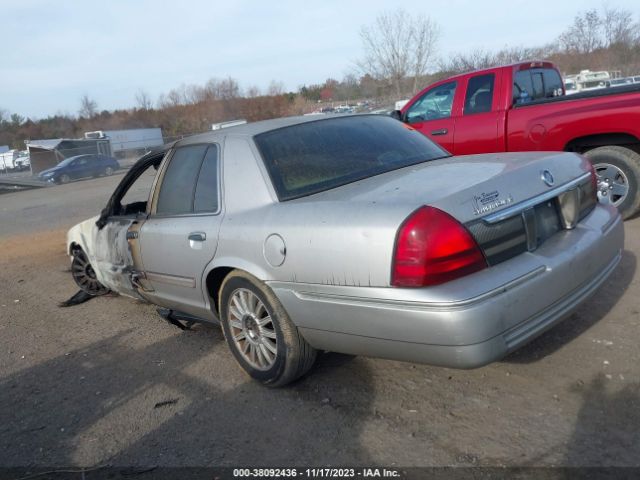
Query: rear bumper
469, 322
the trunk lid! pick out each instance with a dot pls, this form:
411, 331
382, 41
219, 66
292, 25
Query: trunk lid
467, 187
510, 203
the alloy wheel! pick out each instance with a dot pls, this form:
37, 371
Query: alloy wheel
84, 274
252, 329
613, 185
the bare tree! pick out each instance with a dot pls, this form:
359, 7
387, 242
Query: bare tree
253, 92
275, 88
521, 54
619, 27
467, 62
426, 33
228, 88
175, 97
143, 100
216, 89
397, 45
584, 35
88, 107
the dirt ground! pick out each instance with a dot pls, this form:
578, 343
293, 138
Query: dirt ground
110, 382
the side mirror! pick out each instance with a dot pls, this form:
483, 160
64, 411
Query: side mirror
397, 114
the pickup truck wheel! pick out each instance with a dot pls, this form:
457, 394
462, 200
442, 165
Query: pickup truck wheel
84, 275
261, 336
618, 172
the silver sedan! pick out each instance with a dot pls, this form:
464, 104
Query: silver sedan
352, 234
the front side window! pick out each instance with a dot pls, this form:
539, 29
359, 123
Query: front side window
434, 105
479, 96
320, 155
137, 195
190, 183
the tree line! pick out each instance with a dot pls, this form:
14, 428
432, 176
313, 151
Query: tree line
399, 58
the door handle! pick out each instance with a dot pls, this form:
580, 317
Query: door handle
197, 236
442, 131
132, 235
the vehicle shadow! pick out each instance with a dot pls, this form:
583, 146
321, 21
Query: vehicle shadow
606, 431
180, 401
588, 314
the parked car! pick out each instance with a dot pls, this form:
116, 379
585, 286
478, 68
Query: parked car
353, 234
80, 166
620, 82
522, 107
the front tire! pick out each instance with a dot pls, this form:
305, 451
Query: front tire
64, 178
84, 275
618, 172
260, 334
108, 171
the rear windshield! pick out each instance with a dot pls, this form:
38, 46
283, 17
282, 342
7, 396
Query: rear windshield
317, 156
535, 84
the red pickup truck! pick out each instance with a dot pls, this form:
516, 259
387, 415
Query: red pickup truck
523, 107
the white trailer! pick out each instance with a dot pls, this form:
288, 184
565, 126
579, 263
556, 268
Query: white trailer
132, 142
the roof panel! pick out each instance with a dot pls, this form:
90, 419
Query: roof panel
47, 144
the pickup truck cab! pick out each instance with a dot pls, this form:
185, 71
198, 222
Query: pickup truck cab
523, 107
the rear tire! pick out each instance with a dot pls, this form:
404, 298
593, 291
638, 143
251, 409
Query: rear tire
260, 334
618, 171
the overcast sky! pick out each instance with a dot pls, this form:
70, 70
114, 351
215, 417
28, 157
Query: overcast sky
51, 53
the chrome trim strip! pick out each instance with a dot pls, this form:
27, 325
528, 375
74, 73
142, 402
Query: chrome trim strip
171, 279
519, 207
409, 305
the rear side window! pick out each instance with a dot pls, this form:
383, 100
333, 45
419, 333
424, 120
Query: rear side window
434, 104
317, 156
536, 83
479, 96
190, 183
206, 195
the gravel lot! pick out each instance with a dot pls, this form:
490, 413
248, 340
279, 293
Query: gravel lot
110, 382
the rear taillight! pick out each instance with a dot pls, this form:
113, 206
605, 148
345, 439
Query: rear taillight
432, 248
